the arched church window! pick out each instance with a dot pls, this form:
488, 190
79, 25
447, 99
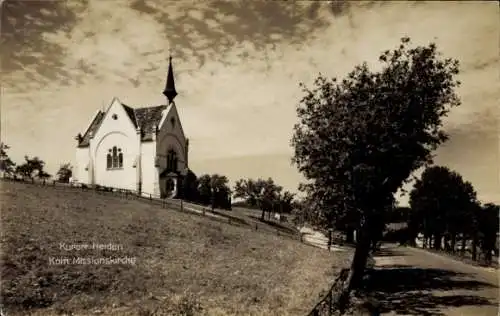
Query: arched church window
114, 158
172, 160
109, 160
120, 158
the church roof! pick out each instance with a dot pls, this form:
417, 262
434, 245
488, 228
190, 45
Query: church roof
92, 129
147, 118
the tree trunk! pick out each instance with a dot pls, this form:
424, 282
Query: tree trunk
357, 267
474, 248
428, 240
488, 257
437, 241
412, 241
350, 235
453, 241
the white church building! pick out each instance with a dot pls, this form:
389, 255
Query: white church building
143, 149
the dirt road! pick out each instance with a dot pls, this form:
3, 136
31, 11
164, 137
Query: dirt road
410, 281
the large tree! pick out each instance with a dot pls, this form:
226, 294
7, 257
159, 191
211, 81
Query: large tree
359, 139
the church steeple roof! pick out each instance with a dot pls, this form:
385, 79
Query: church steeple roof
170, 91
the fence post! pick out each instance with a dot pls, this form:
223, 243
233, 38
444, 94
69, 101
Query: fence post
330, 236
330, 302
182, 206
150, 197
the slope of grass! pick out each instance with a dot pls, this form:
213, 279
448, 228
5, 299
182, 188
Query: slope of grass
182, 261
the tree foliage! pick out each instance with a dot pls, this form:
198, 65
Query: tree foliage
444, 207
265, 195
442, 203
207, 190
190, 187
6, 164
360, 139
250, 190
32, 167
488, 229
65, 172
214, 190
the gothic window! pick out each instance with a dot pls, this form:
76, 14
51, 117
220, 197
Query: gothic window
120, 158
109, 160
114, 158
172, 160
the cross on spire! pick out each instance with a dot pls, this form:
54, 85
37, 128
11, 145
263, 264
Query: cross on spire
170, 91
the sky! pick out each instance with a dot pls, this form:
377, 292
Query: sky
238, 65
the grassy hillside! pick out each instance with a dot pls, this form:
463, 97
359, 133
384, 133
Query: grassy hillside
182, 261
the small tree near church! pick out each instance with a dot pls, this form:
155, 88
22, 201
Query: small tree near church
358, 140
65, 172
213, 190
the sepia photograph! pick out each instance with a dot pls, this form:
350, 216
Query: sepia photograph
249, 157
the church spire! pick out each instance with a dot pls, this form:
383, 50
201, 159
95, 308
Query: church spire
170, 91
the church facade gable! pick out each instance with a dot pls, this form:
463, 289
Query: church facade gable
171, 143
114, 149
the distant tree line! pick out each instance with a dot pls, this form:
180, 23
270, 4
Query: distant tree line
31, 168
209, 189
264, 195
444, 208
